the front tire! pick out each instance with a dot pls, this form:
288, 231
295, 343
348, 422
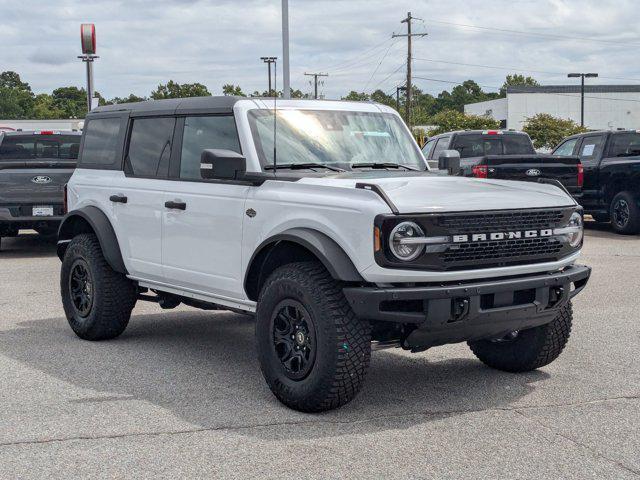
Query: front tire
97, 300
625, 214
313, 351
528, 349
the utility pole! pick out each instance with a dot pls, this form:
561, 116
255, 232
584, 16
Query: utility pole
269, 61
409, 36
582, 76
315, 81
286, 88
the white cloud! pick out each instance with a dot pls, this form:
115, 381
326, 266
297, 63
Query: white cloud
142, 43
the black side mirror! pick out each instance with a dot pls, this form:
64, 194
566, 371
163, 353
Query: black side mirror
449, 160
222, 165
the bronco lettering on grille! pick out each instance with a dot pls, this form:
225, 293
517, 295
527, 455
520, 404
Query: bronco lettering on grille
484, 237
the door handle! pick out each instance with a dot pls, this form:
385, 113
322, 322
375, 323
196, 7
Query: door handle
175, 205
118, 198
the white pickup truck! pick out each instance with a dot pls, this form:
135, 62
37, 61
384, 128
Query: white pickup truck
330, 229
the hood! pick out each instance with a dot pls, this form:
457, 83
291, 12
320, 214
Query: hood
436, 193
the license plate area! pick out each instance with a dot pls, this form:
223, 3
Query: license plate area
42, 211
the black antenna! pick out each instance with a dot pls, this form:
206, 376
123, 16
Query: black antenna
275, 115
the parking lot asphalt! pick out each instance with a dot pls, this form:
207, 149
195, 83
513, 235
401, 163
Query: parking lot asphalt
180, 394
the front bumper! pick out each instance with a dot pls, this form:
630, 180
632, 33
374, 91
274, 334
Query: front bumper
456, 312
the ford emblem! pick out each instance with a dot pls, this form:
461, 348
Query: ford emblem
533, 172
41, 179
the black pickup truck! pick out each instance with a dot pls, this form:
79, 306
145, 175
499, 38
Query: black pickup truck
505, 155
34, 168
611, 191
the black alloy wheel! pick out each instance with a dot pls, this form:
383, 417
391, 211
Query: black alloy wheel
294, 338
81, 288
621, 213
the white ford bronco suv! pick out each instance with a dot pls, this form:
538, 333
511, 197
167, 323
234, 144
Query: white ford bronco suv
322, 219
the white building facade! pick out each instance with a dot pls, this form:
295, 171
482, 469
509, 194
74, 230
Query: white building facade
606, 107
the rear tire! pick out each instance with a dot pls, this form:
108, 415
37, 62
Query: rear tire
530, 349
625, 214
313, 351
97, 300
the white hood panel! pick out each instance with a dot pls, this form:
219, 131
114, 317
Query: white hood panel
431, 194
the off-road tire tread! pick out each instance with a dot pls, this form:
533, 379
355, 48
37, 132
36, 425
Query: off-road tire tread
532, 349
113, 302
341, 384
633, 226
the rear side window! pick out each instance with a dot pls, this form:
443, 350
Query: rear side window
150, 147
201, 133
625, 145
441, 146
566, 149
481, 145
591, 147
33, 147
101, 142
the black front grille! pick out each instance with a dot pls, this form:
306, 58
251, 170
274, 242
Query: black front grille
499, 222
502, 250
519, 237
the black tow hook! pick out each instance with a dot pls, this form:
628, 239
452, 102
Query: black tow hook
459, 309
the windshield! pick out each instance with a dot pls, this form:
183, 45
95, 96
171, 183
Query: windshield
30, 147
481, 145
336, 138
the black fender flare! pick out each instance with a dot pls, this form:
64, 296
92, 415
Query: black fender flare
75, 222
325, 249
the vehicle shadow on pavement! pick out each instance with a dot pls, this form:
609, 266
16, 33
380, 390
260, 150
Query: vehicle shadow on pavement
202, 368
30, 245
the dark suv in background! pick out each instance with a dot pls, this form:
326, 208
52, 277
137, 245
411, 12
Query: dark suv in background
34, 168
503, 155
611, 161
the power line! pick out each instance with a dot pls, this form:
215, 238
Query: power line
379, 63
357, 58
545, 93
513, 69
536, 34
389, 76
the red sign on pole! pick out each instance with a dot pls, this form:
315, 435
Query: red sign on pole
88, 38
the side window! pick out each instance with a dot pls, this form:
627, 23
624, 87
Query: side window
101, 142
426, 150
201, 133
440, 147
150, 147
591, 147
566, 149
625, 145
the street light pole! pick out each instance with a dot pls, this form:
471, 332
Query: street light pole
269, 61
286, 88
582, 76
398, 90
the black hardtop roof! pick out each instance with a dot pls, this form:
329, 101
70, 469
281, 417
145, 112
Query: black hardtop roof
600, 132
218, 104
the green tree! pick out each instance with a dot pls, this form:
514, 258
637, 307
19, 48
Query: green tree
547, 131
357, 96
16, 97
233, 90
380, 97
515, 80
177, 90
451, 120
71, 101
44, 108
132, 98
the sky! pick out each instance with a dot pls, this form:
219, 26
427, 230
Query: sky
142, 43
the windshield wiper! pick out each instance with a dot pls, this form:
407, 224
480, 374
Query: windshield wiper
302, 166
382, 165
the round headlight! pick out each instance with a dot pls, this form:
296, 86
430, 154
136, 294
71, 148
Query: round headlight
576, 224
400, 241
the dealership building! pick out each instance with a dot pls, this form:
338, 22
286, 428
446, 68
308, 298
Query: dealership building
605, 106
